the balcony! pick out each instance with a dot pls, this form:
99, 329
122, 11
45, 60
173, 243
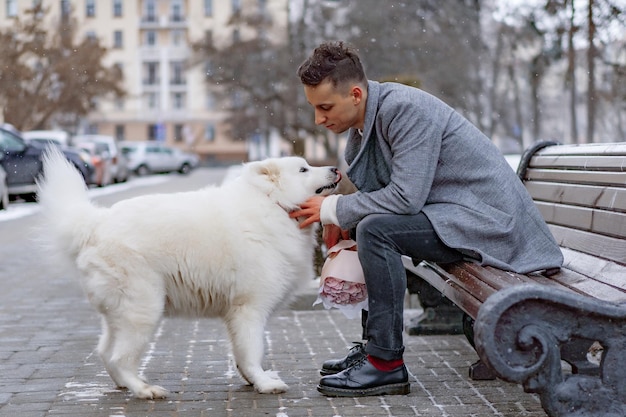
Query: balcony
153, 21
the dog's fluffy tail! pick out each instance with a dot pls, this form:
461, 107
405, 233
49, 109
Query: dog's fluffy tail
68, 215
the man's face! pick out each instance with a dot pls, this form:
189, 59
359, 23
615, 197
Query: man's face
335, 110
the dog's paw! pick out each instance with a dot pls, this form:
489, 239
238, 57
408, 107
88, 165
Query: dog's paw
151, 392
271, 386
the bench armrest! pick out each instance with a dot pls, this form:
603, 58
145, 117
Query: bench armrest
519, 331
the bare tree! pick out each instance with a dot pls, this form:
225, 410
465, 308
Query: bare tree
591, 71
43, 77
571, 71
438, 43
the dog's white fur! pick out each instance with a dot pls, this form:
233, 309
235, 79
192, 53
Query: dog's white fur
230, 251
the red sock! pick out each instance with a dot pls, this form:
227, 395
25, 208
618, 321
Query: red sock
383, 365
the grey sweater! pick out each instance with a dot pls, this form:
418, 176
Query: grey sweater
418, 154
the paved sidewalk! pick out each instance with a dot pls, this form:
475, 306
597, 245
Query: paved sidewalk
48, 366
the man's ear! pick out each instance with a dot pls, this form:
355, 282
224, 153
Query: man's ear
357, 94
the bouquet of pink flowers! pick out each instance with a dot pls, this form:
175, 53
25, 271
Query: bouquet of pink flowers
342, 284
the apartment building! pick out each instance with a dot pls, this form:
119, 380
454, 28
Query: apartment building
151, 41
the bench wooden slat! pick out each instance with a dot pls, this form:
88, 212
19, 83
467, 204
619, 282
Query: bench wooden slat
481, 282
598, 221
598, 269
466, 301
575, 176
493, 277
479, 288
588, 287
608, 198
586, 162
605, 247
586, 149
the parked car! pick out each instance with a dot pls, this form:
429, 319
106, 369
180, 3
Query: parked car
99, 157
4, 188
119, 168
79, 158
149, 157
22, 162
59, 137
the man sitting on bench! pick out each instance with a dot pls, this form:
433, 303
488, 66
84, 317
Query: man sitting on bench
430, 185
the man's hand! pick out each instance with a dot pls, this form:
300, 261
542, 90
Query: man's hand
310, 210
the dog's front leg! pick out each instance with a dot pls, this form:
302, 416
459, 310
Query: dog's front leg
246, 327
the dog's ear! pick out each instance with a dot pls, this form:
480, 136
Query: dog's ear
268, 169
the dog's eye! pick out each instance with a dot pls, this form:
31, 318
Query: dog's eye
304, 169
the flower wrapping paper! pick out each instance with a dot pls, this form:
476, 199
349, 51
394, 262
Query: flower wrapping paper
342, 284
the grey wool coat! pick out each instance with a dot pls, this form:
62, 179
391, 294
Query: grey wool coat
418, 154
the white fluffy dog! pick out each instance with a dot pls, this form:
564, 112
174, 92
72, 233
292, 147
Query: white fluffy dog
229, 251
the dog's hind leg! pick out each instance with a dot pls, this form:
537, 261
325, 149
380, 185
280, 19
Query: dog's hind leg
246, 327
130, 317
121, 353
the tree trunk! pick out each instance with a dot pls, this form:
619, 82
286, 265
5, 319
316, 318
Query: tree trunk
536, 75
518, 128
571, 76
591, 83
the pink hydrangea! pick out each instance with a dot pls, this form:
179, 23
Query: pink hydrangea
342, 292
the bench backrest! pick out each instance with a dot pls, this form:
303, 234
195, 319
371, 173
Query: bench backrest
581, 192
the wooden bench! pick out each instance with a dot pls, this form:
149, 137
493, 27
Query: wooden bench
524, 326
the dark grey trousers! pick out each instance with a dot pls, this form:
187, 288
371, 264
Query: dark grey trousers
381, 240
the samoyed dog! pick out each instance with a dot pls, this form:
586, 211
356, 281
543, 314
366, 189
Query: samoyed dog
230, 251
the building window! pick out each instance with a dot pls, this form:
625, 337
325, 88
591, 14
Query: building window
156, 132
152, 101
118, 40
152, 132
236, 5
117, 8
177, 71
151, 73
91, 36
150, 12
151, 38
209, 132
210, 101
11, 8
236, 36
120, 132
208, 8
179, 131
177, 11
90, 8
91, 129
178, 101
178, 37
66, 8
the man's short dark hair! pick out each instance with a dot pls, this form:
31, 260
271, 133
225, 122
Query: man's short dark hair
335, 61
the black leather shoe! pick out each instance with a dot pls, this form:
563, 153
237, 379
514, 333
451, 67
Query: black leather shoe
363, 379
333, 366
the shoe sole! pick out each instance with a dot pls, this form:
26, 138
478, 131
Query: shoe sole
324, 372
402, 388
